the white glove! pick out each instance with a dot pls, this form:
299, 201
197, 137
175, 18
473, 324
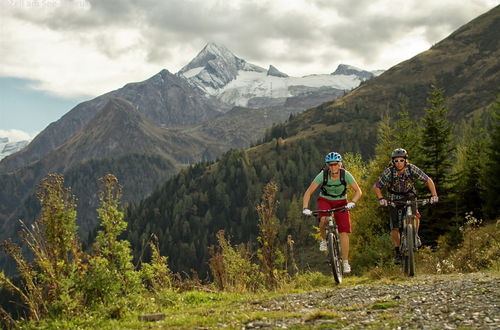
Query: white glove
307, 212
434, 199
383, 202
350, 205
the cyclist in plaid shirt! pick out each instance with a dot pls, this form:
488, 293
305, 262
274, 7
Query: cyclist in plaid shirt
398, 178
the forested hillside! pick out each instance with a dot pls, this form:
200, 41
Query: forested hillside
391, 110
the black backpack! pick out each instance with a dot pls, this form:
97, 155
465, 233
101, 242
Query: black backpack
326, 175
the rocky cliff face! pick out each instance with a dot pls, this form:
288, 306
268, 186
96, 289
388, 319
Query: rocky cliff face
214, 67
348, 70
164, 99
273, 71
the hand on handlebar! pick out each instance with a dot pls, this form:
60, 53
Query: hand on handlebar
306, 212
382, 201
434, 199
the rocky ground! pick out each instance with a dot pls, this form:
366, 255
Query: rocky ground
458, 301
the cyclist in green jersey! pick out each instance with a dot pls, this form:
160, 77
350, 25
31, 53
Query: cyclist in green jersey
334, 194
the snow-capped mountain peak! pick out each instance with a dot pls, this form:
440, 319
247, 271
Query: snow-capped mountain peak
214, 67
218, 73
210, 53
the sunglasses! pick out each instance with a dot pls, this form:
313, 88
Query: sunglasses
399, 160
332, 164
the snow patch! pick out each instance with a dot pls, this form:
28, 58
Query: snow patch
250, 84
192, 72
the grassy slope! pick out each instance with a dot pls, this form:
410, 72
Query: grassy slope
214, 310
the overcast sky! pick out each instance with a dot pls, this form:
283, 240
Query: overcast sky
55, 54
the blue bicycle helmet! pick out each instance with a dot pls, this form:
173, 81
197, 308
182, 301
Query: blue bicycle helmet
333, 157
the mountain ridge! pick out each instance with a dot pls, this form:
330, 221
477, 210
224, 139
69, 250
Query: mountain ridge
217, 73
170, 99
172, 103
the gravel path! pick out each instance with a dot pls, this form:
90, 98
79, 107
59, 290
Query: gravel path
458, 301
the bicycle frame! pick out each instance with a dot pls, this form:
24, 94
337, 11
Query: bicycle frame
408, 241
333, 243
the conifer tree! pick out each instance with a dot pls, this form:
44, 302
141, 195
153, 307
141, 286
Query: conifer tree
467, 189
491, 173
406, 130
436, 147
386, 142
435, 159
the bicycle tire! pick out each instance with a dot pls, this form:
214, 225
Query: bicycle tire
410, 244
334, 257
403, 254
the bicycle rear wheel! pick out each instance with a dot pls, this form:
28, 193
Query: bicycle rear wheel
409, 258
334, 257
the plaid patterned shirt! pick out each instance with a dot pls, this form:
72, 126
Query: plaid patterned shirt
400, 183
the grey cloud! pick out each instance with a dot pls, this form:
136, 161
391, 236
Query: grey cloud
248, 30
344, 8
244, 31
364, 34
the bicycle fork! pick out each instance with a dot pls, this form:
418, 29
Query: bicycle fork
332, 228
408, 219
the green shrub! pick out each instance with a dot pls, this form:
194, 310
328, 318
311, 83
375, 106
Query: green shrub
111, 275
156, 275
232, 268
478, 250
49, 282
272, 260
62, 282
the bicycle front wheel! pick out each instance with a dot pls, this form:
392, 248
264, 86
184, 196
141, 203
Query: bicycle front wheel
409, 258
334, 257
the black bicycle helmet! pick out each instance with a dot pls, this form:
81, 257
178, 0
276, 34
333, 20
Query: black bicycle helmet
399, 152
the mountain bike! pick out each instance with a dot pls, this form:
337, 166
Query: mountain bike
333, 242
408, 245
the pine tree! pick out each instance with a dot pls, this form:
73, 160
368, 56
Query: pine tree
436, 147
407, 131
386, 142
491, 173
467, 189
435, 159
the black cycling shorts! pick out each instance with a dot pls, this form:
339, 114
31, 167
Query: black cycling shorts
397, 214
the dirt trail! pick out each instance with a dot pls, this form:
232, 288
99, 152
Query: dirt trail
424, 302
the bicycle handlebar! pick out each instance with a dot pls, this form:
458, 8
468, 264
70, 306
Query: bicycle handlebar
341, 209
423, 201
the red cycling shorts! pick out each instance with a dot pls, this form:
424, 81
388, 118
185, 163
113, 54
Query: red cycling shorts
342, 219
